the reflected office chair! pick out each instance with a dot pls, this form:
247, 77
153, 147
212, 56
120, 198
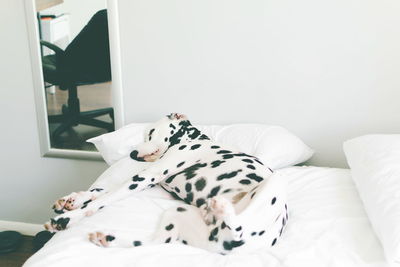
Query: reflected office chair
85, 61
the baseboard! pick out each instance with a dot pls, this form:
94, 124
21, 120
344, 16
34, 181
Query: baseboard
24, 228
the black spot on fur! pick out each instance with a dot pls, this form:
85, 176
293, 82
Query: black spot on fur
253, 233
252, 195
188, 187
150, 133
229, 245
137, 178
227, 191
153, 179
137, 243
239, 228
273, 201
184, 242
165, 172
166, 139
180, 164
247, 160
96, 189
109, 238
172, 126
228, 175
213, 233
182, 147
227, 156
255, 177
273, 242
215, 147
189, 172
177, 189
133, 186
216, 163
87, 202
251, 167
189, 198
200, 184
168, 240
223, 225
204, 137
245, 181
169, 227
180, 209
193, 133
200, 202
261, 233
258, 161
101, 207
194, 147
214, 191
224, 152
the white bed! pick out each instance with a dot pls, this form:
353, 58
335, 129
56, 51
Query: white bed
327, 227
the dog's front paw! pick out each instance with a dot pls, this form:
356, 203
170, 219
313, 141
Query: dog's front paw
56, 225
100, 239
72, 201
66, 203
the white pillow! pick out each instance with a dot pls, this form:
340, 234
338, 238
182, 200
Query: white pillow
375, 166
275, 146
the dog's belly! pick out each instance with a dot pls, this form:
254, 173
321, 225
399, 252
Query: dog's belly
233, 179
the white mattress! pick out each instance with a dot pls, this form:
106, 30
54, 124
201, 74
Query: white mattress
327, 227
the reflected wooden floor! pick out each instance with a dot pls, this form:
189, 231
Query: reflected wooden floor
91, 97
18, 257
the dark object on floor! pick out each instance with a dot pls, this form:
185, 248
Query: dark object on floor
40, 239
9, 241
86, 60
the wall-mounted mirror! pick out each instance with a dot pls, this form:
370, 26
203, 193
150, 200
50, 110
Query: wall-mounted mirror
75, 61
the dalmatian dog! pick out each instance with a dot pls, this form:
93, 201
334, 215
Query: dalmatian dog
231, 201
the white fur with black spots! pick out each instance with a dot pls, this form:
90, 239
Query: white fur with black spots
222, 187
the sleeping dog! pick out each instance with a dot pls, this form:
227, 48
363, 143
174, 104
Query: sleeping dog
233, 202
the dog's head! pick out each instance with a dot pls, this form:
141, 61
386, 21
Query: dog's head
165, 133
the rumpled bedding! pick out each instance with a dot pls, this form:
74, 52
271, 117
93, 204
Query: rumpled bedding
327, 227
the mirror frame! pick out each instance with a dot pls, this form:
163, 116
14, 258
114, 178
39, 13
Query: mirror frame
40, 98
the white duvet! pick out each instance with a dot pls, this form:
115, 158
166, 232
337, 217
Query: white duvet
327, 227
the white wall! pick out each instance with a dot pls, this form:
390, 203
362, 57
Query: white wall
80, 12
28, 183
327, 70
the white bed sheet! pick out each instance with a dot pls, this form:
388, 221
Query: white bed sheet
327, 227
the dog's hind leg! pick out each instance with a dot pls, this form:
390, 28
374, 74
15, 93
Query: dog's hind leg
182, 224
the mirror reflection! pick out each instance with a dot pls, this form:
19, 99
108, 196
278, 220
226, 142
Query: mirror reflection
76, 70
